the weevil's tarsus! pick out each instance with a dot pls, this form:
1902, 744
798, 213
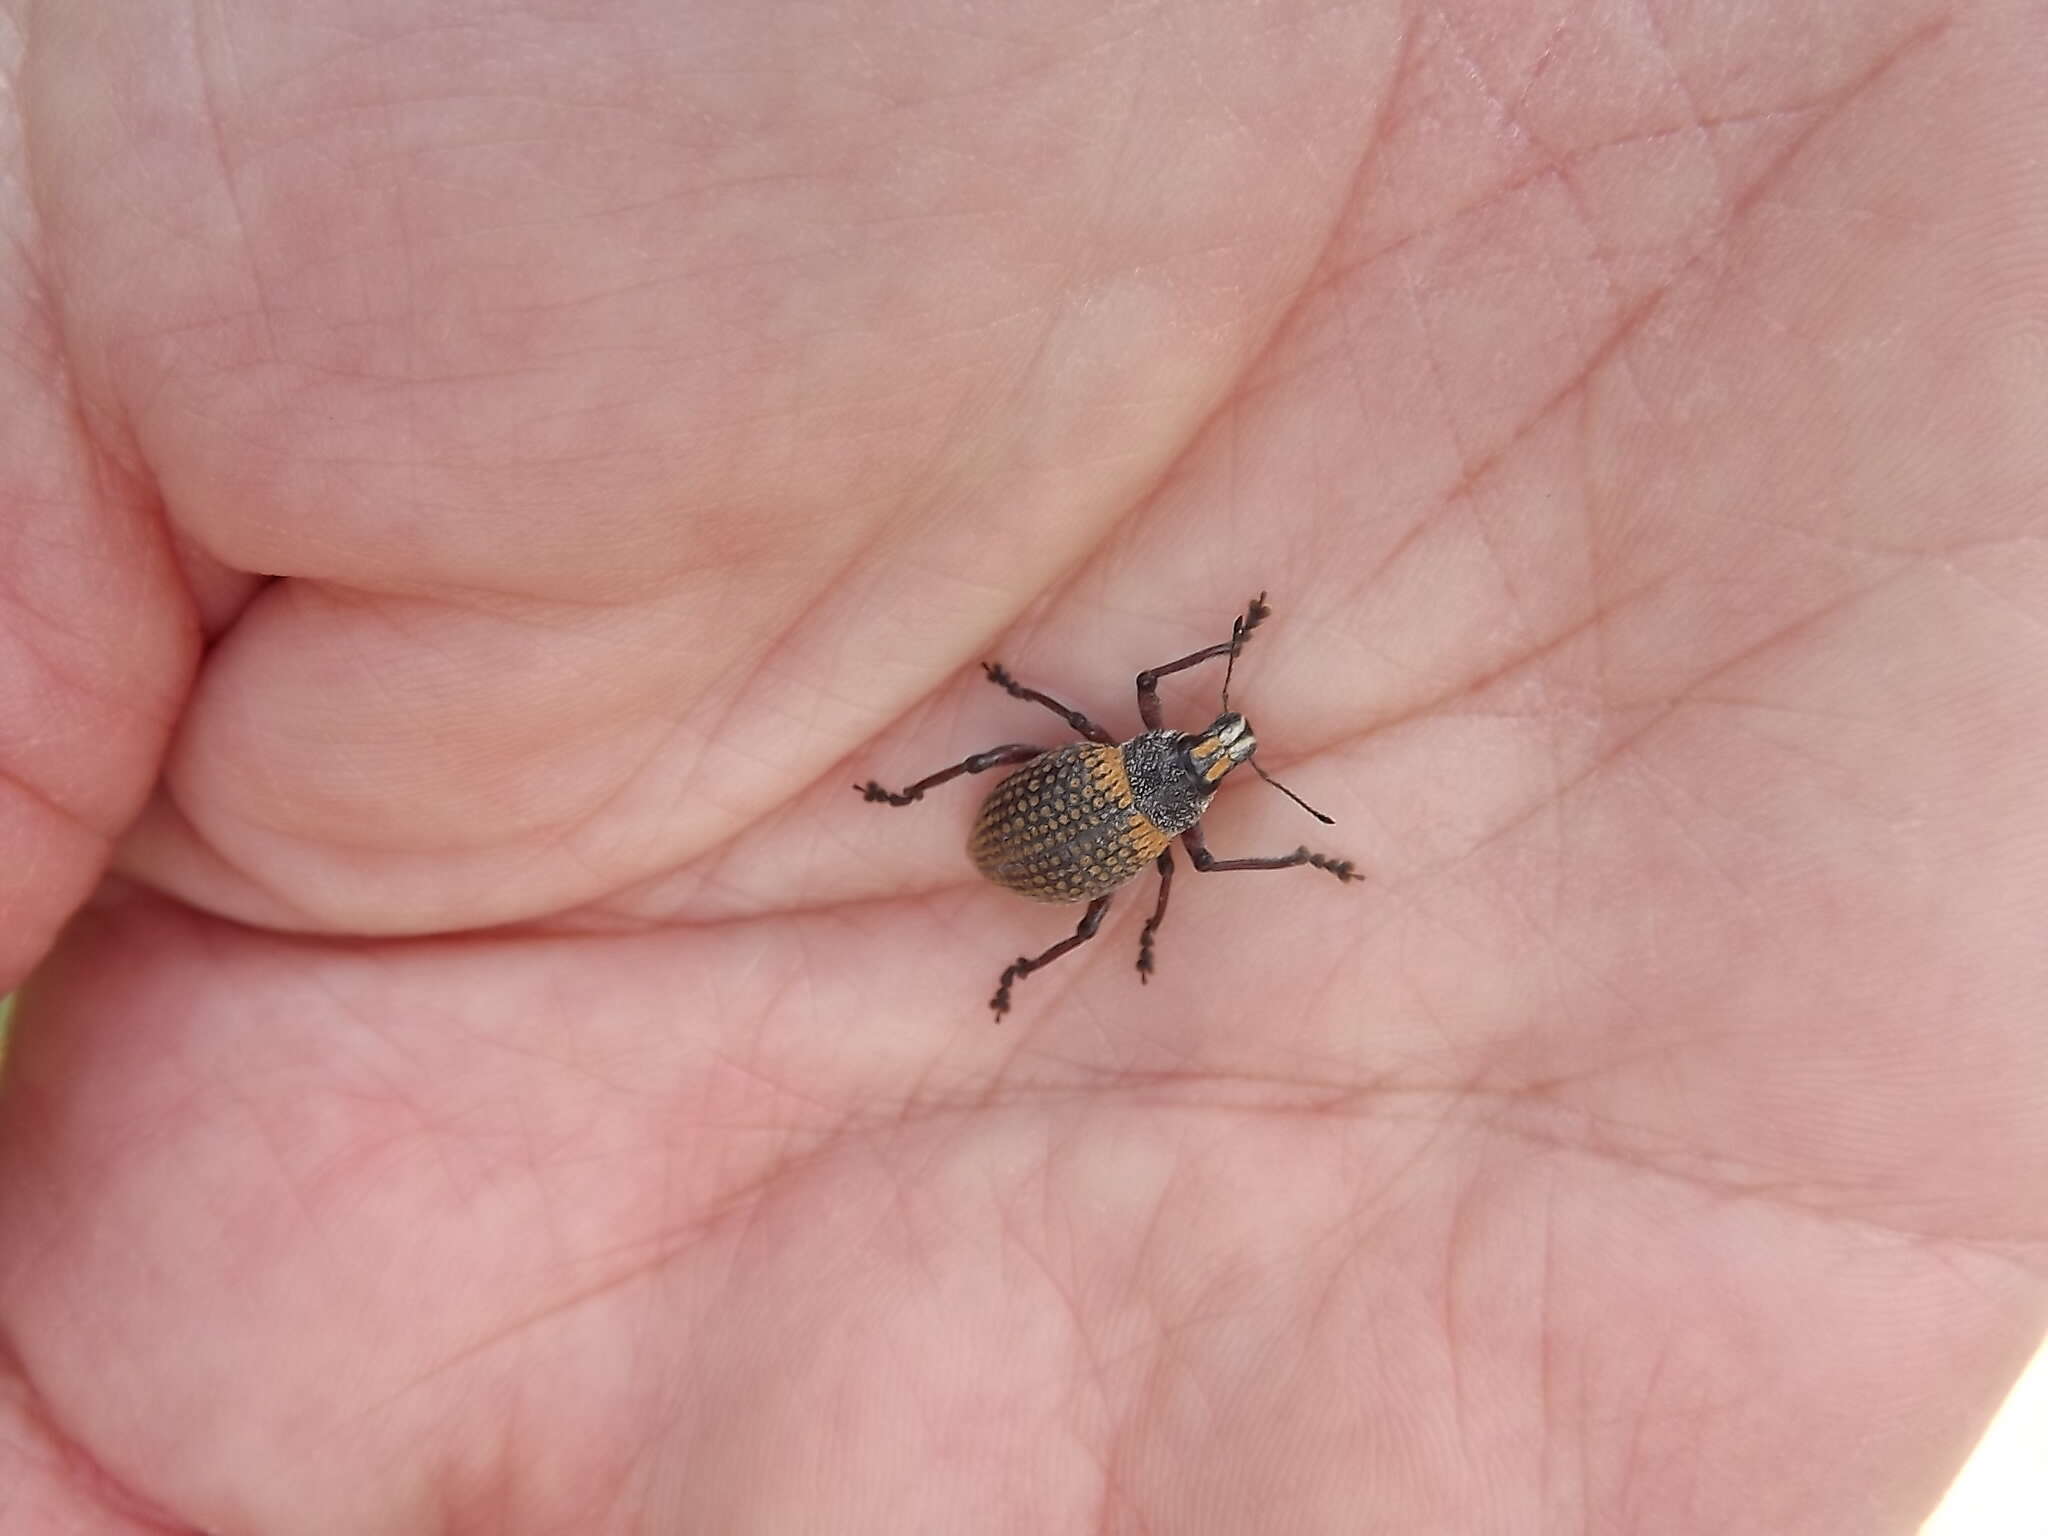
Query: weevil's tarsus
1209, 864
1026, 964
980, 762
1158, 916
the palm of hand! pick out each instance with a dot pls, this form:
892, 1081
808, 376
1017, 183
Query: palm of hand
515, 1086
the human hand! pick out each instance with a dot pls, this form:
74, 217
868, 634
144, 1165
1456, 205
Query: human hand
509, 1083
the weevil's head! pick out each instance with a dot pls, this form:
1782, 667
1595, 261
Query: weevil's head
1208, 755
1213, 752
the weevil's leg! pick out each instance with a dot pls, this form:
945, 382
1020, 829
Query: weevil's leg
1256, 613
981, 762
1090, 921
1209, 864
1016, 690
1158, 916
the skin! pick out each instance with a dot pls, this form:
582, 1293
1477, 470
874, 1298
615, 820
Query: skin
499, 1079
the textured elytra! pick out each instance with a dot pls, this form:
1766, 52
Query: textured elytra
1064, 828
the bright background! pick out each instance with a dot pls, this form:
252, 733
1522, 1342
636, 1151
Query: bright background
2004, 1489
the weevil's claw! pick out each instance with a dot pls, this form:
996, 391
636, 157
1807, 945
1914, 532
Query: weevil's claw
1001, 1001
1255, 613
1341, 868
874, 794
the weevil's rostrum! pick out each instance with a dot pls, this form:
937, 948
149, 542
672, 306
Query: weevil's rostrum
1076, 822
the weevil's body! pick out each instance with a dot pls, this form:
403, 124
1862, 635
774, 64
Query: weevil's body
1076, 822
1080, 821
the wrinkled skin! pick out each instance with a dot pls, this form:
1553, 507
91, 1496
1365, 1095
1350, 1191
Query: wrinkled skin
500, 1079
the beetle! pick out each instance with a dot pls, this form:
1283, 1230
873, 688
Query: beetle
1074, 823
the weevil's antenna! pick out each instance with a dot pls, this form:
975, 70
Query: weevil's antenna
1237, 633
1236, 645
1328, 821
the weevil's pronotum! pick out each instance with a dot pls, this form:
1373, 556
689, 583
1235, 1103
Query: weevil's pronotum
1080, 820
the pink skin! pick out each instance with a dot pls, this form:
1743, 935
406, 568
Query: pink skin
508, 1084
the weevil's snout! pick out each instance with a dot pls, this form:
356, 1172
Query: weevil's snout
1227, 742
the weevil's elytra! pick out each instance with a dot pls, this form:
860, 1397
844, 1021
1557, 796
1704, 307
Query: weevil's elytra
1065, 828
1078, 821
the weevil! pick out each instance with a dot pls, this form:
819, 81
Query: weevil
1074, 823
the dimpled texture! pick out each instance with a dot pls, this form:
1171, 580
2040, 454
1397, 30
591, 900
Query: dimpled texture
1063, 828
